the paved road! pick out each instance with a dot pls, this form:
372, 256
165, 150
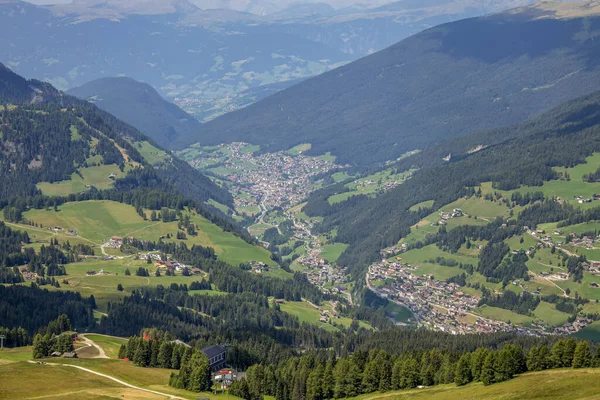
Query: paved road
112, 378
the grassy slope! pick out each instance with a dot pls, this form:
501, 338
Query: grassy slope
99, 220
309, 314
563, 384
97, 176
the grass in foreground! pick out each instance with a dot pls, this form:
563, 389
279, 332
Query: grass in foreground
563, 384
23, 380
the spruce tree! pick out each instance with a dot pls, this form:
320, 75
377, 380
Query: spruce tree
409, 377
488, 369
582, 357
477, 360
462, 373
370, 380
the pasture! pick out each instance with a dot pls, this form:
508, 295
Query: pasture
559, 384
97, 176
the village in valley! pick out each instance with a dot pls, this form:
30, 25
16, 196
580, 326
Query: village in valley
264, 180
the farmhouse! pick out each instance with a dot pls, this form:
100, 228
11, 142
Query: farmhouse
216, 356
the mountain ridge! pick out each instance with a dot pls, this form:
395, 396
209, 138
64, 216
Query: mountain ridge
445, 82
140, 105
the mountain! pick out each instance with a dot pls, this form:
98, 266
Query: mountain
54, 144
141, 106
202, 58
445, 82
520, 158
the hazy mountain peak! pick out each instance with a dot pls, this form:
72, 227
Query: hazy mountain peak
561, 10
91, 9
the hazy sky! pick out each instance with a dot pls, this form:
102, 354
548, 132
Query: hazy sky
39, 2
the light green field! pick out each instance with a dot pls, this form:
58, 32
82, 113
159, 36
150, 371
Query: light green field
501, 314
423, 204
421, 257
484, 210
97, 176
150, 153
340, 176
104, 287
110, 344
24, 380
370, 184
398, 312
564, 189
307, 313
294, 151
584, 289
14, 355
251, 148
63, 382
331, 252
559, 384
97, 221
547, 312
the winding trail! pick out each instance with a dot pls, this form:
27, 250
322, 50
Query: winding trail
90, 343
112, 378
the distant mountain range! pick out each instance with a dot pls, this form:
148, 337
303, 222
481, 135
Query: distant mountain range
445, 82
203, 59
141, 106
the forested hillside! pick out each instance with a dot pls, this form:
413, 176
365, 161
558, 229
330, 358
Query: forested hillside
510, 157
442, 83
57, 145
141, 106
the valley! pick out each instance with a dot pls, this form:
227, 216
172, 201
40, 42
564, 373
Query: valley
258, 201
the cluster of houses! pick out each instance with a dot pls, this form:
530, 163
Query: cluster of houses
327, 316
445, 216
274, 179
582, 200
258, 267
114, 242
571, 328
444, 307
172, 265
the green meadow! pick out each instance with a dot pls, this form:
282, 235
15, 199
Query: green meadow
331, 252
558, 384
98, 221
98, 176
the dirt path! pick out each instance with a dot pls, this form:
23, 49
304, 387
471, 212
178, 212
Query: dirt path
90, 343
112, 378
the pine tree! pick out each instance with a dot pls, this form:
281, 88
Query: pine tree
370, 380
385, 374
409, 377
165, 354
596, 359
154, 349
142, 354
504, 366
462, 373
477, 360
328, 380
122, 351
41, 346
582, 357
397, 374
488, 370
314, 390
